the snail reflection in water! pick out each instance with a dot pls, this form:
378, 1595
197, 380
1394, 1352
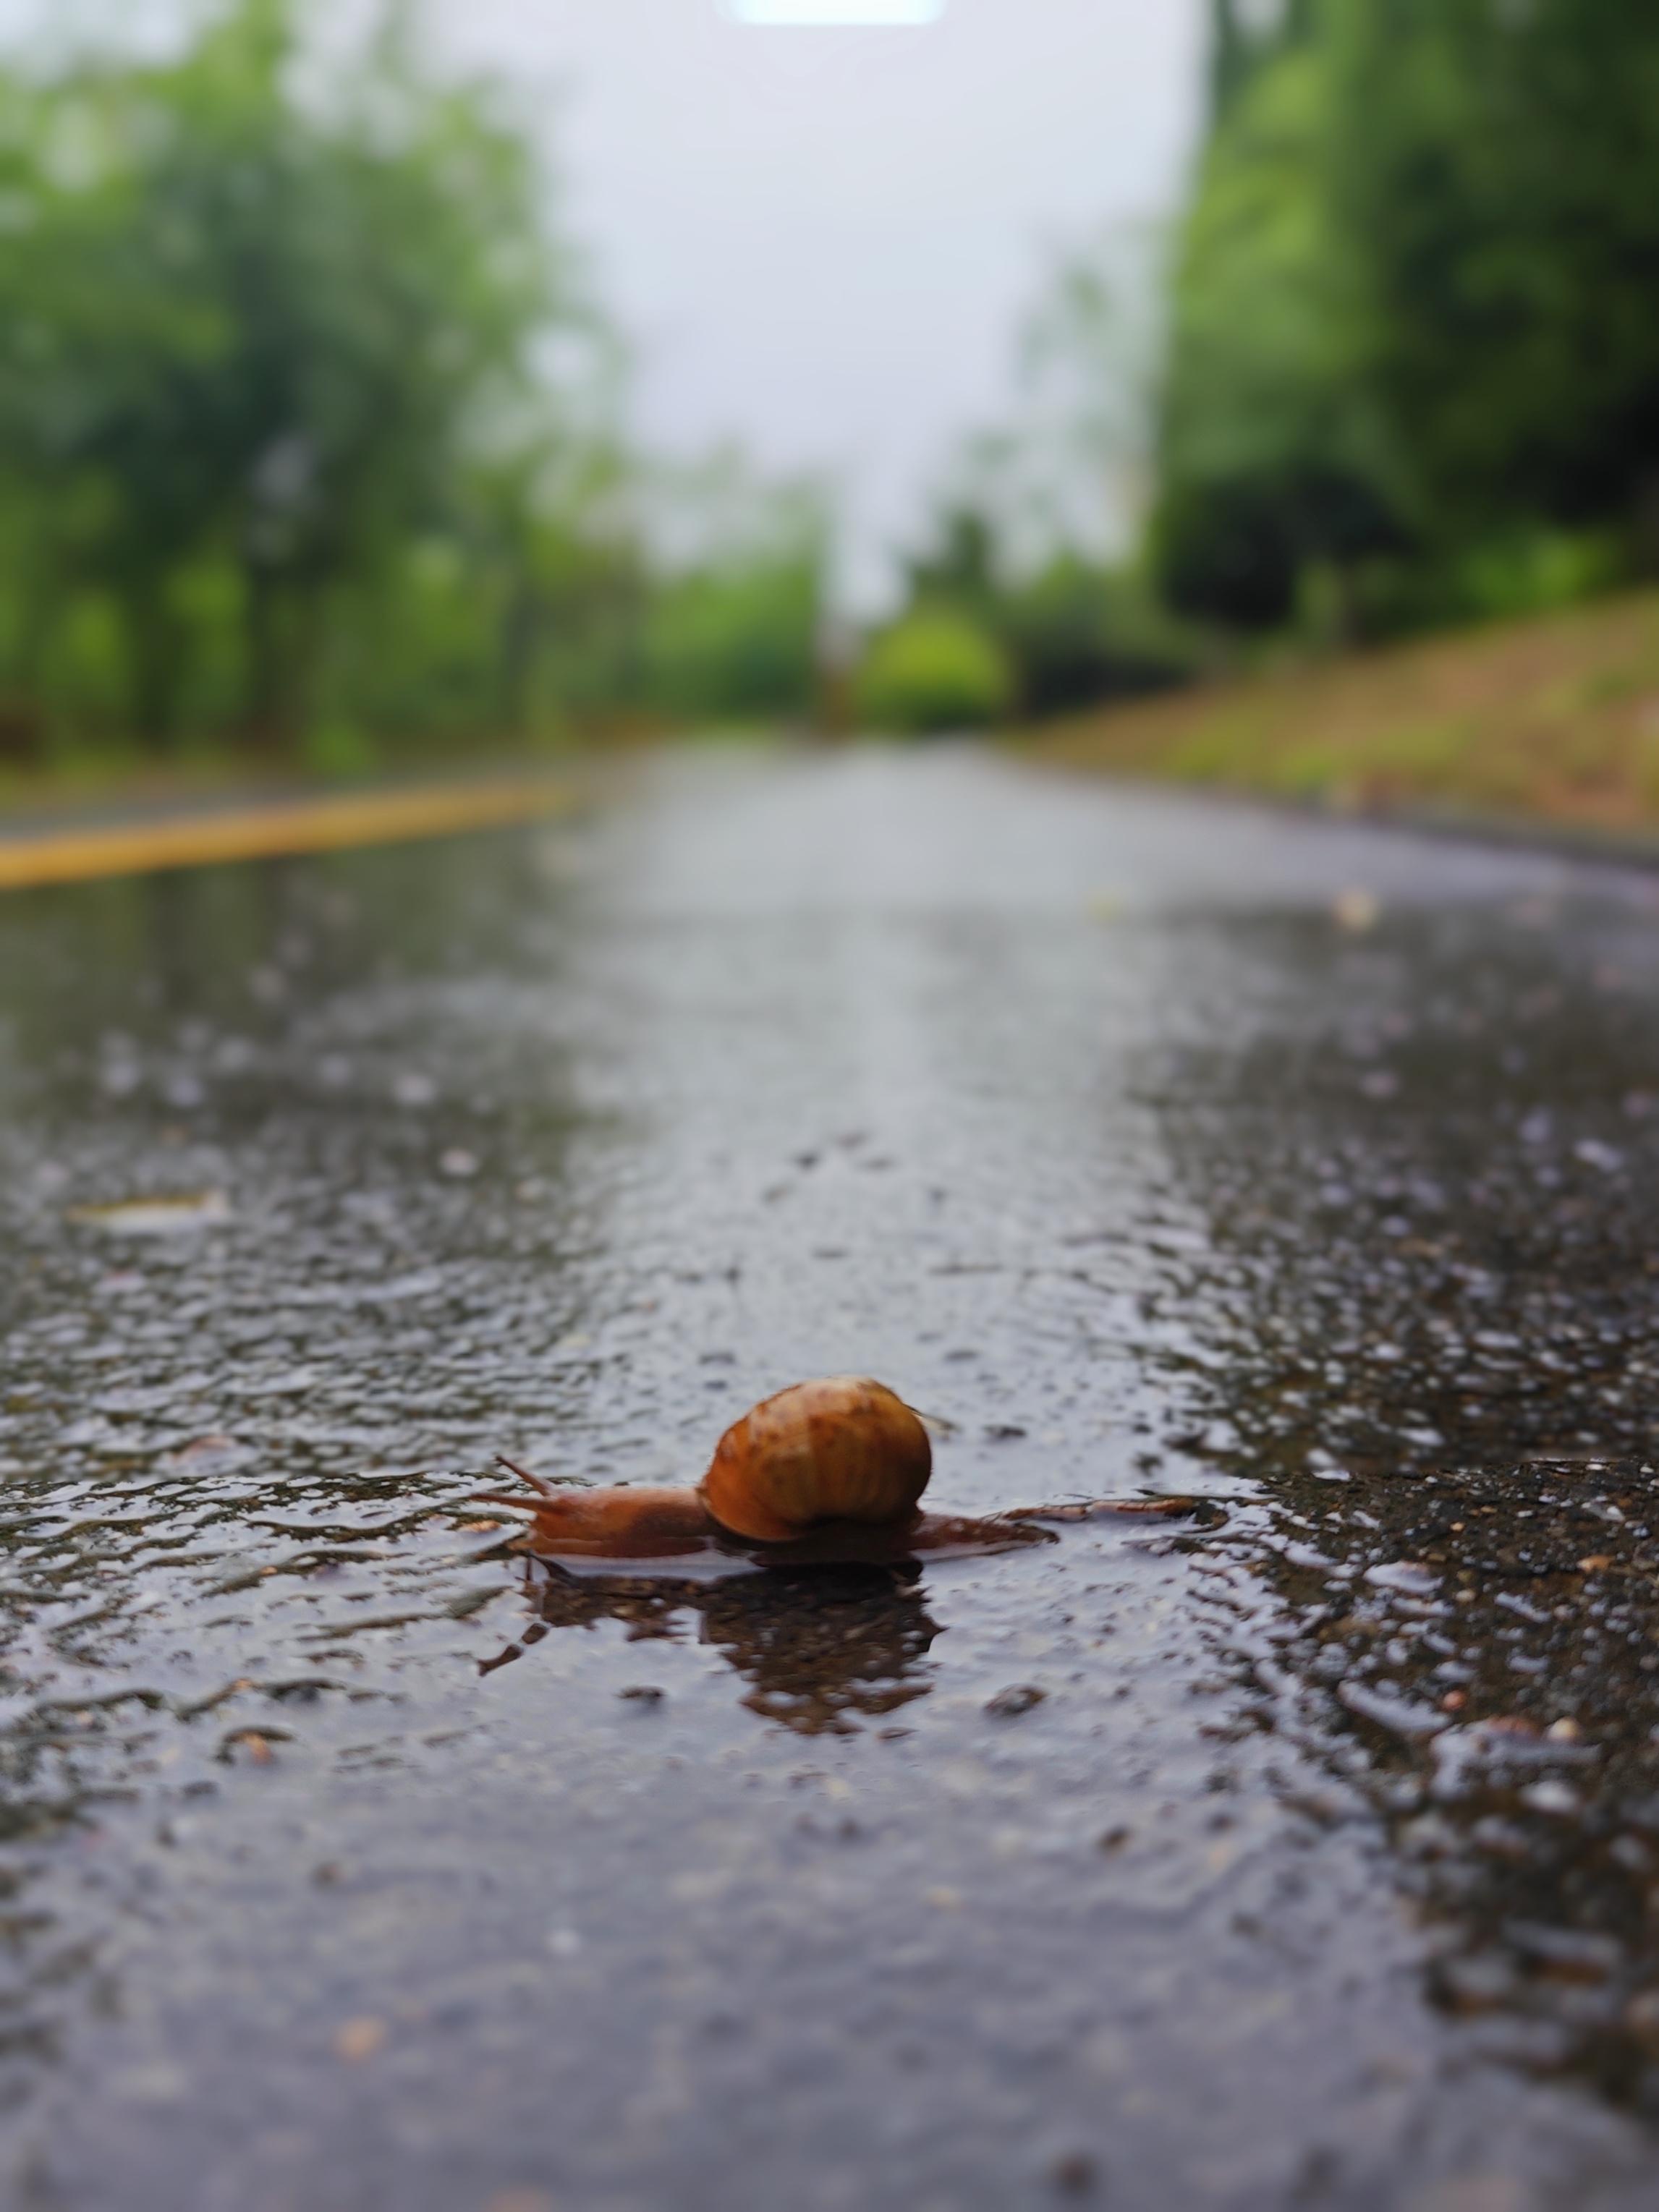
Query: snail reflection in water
822, 1647
826, 1472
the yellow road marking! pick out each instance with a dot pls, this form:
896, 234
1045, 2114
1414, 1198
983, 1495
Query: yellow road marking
256, 832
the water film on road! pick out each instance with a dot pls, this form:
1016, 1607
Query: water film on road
1302, 1855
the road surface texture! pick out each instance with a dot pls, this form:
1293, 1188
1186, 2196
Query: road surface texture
1301, 1856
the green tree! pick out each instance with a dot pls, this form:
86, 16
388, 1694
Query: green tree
934, 670
1272, 451
1416, 308
1496, 168
1067, 627
254, 345
732, 627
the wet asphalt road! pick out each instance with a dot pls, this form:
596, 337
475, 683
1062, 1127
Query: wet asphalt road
1304, 1855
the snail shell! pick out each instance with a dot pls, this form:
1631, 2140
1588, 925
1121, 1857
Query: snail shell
843, 1449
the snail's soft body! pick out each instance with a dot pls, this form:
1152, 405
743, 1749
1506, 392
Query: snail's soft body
624, 1524
620, 1523
831, 1471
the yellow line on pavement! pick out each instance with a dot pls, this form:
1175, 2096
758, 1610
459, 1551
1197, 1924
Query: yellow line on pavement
258, 831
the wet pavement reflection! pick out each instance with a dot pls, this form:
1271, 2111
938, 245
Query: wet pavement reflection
1304, 1853
1440, 1293
816, 1645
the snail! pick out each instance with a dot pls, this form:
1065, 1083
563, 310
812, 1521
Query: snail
826, 1471
848, 1449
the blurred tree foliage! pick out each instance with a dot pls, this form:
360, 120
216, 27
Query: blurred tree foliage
1029, 544
1414, 365
735, 640
933, 670
1063, 631
731, 631
303, 424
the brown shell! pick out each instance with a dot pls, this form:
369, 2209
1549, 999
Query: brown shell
842, 1449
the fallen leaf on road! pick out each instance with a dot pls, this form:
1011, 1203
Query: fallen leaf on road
1356, 910
154, 1216
360, 2039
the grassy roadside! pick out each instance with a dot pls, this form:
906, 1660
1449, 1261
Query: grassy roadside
117, 780
1550, 722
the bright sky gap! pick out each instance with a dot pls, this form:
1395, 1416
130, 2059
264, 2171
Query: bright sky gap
805, 14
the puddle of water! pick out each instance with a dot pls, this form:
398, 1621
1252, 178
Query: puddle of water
1141, 1867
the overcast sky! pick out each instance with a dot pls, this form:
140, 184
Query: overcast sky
820, 241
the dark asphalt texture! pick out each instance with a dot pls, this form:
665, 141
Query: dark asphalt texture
1303, 1856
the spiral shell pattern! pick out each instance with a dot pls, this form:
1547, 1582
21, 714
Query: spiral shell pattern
846, 1449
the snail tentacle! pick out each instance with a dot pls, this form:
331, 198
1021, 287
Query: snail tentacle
536, 1482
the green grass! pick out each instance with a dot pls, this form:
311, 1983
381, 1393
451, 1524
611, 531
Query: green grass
1553, 721
117, 777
